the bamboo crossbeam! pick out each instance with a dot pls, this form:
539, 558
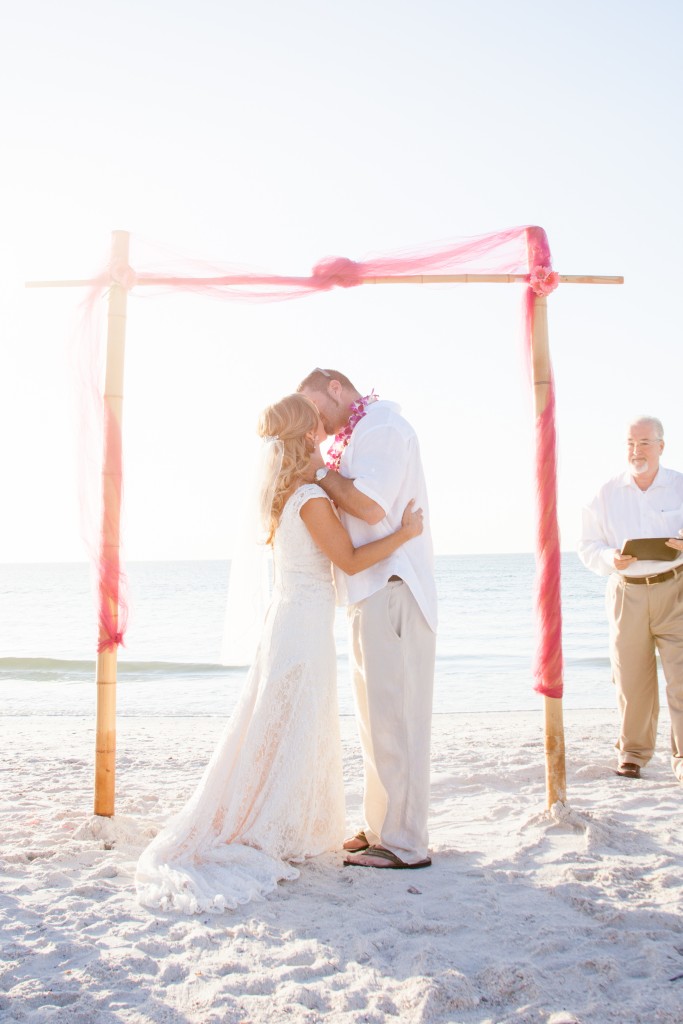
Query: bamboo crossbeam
60, 284
397, 279
488, 279
590, 279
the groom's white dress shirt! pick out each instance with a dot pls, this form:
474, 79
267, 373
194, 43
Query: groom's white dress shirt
383, 460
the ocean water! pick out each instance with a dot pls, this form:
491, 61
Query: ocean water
170, 664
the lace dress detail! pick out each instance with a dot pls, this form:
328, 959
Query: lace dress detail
272, 793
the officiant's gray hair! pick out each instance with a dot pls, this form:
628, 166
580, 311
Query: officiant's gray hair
318, 380
654, 423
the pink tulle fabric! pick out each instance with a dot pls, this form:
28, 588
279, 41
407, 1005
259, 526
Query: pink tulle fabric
519, 251
548, 661
100, 469
112, 603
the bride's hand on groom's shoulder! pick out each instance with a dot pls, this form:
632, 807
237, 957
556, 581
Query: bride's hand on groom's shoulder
412, 520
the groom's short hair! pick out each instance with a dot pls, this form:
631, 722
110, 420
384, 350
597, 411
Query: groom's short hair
318, 380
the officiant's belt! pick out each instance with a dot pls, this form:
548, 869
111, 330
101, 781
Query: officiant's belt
658, 578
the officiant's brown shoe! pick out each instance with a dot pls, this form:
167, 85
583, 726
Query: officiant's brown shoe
628, 770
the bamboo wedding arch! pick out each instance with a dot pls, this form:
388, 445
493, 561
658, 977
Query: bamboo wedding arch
537, 274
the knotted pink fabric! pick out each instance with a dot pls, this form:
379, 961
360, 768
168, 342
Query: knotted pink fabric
338, 271
123, 274
519, 251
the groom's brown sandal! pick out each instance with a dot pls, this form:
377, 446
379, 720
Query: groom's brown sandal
392, 860
360, 841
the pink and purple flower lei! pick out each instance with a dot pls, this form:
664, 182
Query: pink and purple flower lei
358, 411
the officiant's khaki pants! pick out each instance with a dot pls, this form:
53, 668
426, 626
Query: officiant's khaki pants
644, 617
393, 652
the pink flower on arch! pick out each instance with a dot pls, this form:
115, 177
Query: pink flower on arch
123, 274
543, 280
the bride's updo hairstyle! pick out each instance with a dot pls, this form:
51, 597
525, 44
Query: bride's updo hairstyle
288, 420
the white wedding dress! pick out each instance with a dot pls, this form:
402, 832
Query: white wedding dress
272, 793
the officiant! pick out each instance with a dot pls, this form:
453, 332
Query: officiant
644, 594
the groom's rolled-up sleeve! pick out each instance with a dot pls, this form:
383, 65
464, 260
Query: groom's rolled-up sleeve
379, 463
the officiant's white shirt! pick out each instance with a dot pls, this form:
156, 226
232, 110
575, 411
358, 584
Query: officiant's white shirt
383, 460
620, 511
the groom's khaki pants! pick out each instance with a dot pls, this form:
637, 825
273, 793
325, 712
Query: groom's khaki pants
393, 652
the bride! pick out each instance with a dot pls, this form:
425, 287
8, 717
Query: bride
272, 793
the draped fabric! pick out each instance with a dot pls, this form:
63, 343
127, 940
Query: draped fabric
515, 251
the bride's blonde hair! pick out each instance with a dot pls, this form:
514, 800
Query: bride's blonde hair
289, 420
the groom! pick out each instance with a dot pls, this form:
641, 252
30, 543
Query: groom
373, 470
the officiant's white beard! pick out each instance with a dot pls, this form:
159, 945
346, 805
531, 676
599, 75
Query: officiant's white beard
638, 468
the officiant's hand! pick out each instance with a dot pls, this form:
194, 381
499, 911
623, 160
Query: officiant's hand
622, 561
676, 542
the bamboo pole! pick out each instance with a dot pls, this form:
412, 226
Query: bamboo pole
105, 748
555, 767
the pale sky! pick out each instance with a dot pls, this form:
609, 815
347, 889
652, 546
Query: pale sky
272, 134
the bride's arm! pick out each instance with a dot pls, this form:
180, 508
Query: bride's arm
333, 540
343, 492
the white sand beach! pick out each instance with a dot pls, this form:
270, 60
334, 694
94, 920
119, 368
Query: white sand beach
525, 916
